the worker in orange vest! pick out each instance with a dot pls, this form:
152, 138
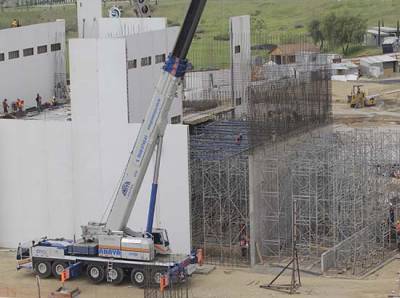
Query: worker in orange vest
18, 104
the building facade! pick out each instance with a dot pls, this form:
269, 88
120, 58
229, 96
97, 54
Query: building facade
32, 60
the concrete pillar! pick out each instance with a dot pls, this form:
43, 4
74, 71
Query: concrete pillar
240, 38
88, 13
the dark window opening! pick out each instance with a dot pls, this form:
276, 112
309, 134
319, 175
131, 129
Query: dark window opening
145, 61
13, 54
55, 47
28, 52
42, 49
176, 120
2, 57
132, 64
160, 58
237, 49
238, 101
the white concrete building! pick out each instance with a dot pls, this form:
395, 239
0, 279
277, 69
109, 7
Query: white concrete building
148, 43
69, 170
32, 61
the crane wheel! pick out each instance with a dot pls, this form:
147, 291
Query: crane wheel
43, 269
57, 268
115, 275
139, 277
95, 273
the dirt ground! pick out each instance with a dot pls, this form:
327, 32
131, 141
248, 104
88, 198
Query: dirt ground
221, 283
386, 111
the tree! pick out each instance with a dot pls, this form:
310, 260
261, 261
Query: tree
328, 29
350, 30
343, 31
314, 28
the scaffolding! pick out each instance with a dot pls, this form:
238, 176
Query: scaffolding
342, 185
219, 191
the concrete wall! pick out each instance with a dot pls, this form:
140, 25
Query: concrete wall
143, 79
26, 76
71, 169
36, 180
241, 59
88, 14
108, 138
121, 27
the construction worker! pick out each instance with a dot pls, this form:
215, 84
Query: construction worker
5, 106
38, 103
20, 105
239, 139
243, 240
14, 106
398, 233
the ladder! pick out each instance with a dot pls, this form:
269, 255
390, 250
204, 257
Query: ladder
109, 268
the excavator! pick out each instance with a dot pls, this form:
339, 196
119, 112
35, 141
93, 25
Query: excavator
358, 98
111, 250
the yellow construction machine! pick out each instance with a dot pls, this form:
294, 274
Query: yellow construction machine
358, 99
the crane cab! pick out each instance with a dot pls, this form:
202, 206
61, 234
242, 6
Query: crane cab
161, 241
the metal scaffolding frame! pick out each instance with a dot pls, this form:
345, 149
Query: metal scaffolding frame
219, 191
342, 185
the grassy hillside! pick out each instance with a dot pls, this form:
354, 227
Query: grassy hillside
268, 16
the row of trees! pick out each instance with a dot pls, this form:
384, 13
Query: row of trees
334, 31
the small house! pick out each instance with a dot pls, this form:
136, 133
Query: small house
379, 66
391, 45
286, 54
345, 71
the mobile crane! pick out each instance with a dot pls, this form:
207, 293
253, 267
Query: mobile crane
111, 250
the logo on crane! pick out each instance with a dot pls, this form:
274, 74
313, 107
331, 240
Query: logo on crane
115, 12
125, 188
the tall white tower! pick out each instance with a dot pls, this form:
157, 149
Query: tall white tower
89, 12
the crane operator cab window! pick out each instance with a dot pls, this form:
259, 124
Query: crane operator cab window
24, 256
161, 241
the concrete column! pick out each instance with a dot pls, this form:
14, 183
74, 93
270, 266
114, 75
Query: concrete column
89, 12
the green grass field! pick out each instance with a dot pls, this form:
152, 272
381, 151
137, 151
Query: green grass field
273, 17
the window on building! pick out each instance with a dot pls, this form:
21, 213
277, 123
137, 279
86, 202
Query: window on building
2, 57
28, 52
145, 61
13, 54
237, 49
160, 58
55, 47
132, 64
42, 49
176, 120
238, 101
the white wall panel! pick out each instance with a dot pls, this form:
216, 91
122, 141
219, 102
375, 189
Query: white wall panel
88, 14
143, 79
24, 77
241, 71
36, 180
122, 27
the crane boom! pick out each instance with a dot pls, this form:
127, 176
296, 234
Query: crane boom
155, 122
